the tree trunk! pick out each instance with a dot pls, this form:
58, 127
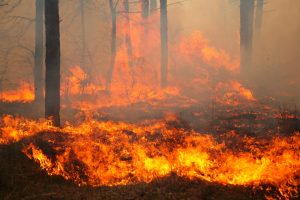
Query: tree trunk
259, 14
39, 51
246, 34
145, 8
83, 41
113, 43
127, 35
83, 44
128, 42
164, 42
153, 5
52, 91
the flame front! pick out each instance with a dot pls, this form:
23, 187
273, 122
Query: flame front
25, 93
109, 153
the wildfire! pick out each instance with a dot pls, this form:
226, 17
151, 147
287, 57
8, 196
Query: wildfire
194, 64
196, 46
232, 92
25, 93
90, 96
110, 153
246, 93
202, 84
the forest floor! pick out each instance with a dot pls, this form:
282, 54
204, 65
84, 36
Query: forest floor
22, 178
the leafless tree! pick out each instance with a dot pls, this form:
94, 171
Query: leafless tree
246, 33
153, 5
113, 11
39, 51
52, 91
127, 36
259, 14
12, 32
145, 8
164, 42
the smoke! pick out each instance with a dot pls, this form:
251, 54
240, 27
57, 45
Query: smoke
275, 70
276, 59
276, 56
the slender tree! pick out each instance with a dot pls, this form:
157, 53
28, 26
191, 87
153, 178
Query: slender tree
259, 14
83, 34
164, 42
39, 51
113, 12
153, 5
246, 33
83, 44
52, 91
145, 8
127, 35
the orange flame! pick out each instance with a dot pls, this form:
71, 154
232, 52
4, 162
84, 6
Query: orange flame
109, 153
25, 93
196, 46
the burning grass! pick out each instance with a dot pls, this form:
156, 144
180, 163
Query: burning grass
231, 141
20, 178
24, 93
99, 153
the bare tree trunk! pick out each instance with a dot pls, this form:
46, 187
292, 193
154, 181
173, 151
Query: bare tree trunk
259, 14
52, 97
127, 36
39, 51
83, 44
83, 33
153, 5
128, 41
164, 42
113, 43
246, 34
145, 8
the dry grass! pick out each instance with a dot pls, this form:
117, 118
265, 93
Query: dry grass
21, 178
